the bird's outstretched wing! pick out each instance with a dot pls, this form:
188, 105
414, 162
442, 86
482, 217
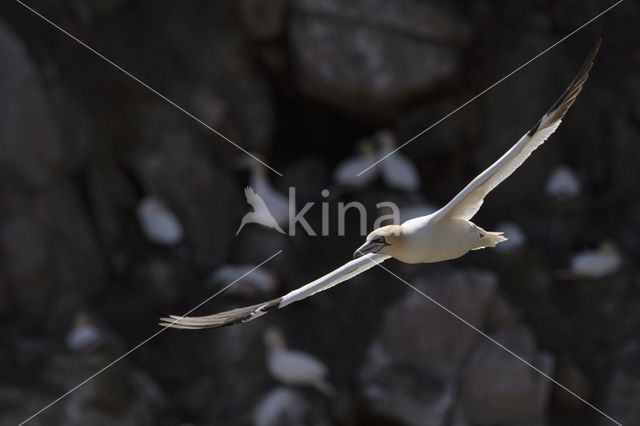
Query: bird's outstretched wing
467, 203
234, 316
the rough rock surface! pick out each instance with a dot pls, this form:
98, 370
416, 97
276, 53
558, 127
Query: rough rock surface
499, 388
364, 61
32, 153
439, 342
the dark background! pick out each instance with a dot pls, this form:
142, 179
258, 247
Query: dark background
299, 82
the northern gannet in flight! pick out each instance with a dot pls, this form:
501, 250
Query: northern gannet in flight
443, 235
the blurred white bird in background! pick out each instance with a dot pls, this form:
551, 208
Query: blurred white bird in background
596, 263
261, 282
281, 406
563, 183
346, 172
84, 336
294, 367
443, 235
159, 224
398, 172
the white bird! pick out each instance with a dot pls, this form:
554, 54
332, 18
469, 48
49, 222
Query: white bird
280, 406
596, 263
294, 367
260, 282
159, 224
443, 235
260, 214
563, 183
84, 335
397, 170
346, 172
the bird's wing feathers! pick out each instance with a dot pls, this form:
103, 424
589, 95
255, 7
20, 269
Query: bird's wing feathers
234, 316
467, 203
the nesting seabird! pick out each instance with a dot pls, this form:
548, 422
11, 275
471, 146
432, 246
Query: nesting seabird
159, 224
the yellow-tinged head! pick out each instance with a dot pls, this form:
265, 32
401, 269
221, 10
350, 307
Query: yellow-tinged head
384, 240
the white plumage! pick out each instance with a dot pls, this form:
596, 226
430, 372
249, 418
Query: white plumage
294, 367
563, 183
280, 406
84, 335
596, 263
346, 172
397, 170
159, 224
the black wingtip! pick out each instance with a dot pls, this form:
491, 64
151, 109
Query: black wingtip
564, 102
221, 319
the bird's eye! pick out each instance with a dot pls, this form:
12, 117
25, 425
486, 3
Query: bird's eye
380, 240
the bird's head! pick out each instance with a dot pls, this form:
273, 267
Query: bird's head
384, 240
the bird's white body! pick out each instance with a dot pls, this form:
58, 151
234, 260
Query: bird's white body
446, 234
596, 263
159, 224
431, 240
280, 405
293, 367
397, 170
563, 183
347, 172
84, 336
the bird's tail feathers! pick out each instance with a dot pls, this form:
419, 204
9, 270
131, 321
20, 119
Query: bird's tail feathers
489, 239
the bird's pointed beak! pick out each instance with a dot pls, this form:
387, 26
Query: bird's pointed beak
368, 247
